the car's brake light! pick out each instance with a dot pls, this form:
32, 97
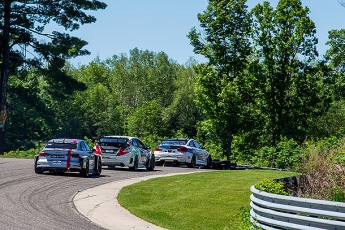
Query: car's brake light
182, 149
122, 151
42, 154
158, 149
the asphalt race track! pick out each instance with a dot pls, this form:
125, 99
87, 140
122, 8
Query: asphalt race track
33, 202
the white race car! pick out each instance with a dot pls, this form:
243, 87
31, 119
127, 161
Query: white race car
125, 151
182, 151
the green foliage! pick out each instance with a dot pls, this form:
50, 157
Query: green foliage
335, 59
183, 113
35, 60
146, 120
31, 118
244, 145
28, 21
28, 154
240, 104
271, 186
337, 194
286, 155
245, 219
208, 135
327, 145
221, 87
152, 141
330, 123
246, 223
289, 87
89, 141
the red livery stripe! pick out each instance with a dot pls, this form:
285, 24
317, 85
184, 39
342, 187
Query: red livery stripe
69, 154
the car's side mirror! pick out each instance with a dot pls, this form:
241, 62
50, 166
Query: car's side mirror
202, 147
148, 147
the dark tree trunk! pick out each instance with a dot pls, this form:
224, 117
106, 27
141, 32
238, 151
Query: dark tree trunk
5, 67
229, 144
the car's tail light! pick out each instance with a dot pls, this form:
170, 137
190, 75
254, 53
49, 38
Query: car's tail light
123, 151
182, 149
42, 154
98, 150
75, 155
158, 149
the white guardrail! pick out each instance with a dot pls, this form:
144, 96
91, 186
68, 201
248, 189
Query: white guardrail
271, 211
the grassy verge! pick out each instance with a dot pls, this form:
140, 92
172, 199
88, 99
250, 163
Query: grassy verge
26, 154
205, 200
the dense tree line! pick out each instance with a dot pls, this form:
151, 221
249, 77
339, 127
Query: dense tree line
263, 86
27, 46
145, 94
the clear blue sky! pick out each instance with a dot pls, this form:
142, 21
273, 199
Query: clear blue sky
162, 25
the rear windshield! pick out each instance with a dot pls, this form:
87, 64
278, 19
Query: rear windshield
61, 145
115, 142
174, 142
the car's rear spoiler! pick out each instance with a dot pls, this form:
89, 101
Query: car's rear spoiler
53, 142
43, 142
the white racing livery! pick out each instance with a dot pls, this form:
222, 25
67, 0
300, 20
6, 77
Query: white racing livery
125, 151
182, 151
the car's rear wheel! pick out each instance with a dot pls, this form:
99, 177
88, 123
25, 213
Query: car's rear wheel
135, 164
85, 172
151, 164
192, 162
209, 162
38, 170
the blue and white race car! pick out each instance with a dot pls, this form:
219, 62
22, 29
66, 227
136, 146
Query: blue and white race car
182, 151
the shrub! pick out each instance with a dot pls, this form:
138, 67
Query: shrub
286, 155
23, 153
152, 140
271, 186
323, 171
337, 193
246, 223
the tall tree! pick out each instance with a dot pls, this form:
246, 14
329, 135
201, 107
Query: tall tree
220, 87
289, 87
335, 58
184, 113
23, 27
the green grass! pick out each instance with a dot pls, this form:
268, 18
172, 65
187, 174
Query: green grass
205, 200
